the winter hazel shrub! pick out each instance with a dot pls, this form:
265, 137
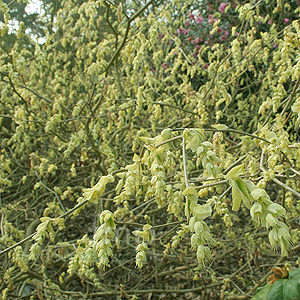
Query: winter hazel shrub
149, 148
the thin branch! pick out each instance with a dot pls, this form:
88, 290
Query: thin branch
53, 192
2, 217
169, 140
226, 192
276, 180
36, 93
295, 171
235, 163
239, 132
43, 97
211, 184
129, 21
292, 95
84, 202
176, 107
184, 163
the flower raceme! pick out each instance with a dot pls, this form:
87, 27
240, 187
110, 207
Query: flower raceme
262, 209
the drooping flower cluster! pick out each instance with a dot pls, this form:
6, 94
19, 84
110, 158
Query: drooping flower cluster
201, 237
262, 208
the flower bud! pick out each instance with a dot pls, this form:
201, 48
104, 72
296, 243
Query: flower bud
271, 220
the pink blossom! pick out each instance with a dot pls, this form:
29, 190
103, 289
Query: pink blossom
222, 7
187, 31
270, 21
220, 30
205, 66
211, 19
164, 65
226, 32
199, 20
197, 48
180, 31
223, 38
286, 20
197, 40
191, 16
186, 23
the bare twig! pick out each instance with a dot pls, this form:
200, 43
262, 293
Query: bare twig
276, 180
53, 192
184, 163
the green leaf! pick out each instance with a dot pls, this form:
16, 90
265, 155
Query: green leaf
194, 143
294, 273
250, 186
139, 233
259, 193
236, 195
201, 211
166, 134
93, 194
220, 126
191, 196
269, 135
187, 209
262, 294
136, 158
194, 137
284, 289
146, 140
207, 144
190, 191
235, 172
239, 193
247, 199
45, 219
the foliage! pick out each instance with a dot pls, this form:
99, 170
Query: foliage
288, 288
148, 134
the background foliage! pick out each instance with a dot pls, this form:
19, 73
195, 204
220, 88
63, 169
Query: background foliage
148, 148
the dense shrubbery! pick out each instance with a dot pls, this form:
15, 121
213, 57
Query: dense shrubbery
145, 142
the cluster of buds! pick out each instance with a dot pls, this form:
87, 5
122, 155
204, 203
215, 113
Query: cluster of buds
262, 208
209, 159
102, 238
143, 247
201, 234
